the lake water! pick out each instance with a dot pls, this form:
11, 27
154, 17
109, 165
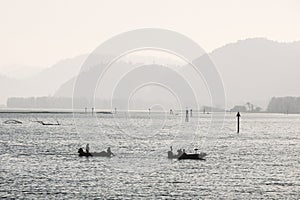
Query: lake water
38, 162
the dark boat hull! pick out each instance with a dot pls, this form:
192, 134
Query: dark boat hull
192, 156
85, 154
101, 154
95, 154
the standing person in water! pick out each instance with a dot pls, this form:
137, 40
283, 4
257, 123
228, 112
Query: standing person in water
87, 148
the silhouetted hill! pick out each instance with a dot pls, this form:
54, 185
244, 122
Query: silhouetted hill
284, 105
253, 70
257, 69
47, 81
44, 83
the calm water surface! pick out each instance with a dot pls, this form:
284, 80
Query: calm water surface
38, 162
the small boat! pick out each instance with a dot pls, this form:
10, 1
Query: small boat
95, 154
171, 155
12, 121
48, 124
184, 156
194, 156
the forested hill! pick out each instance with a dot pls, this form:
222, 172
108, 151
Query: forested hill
284, 105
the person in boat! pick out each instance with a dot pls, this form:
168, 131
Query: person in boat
170, 153
82, 153
179, 152
87, 148
109, 152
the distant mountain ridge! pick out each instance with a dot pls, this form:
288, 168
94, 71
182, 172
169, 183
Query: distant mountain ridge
257, 69
254, 69
44, 83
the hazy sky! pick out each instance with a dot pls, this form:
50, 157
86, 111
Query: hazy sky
39, 33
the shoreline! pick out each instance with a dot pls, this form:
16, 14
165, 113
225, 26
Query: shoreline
122, 111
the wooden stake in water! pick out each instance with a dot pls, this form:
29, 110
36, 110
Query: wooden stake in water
187, 115
238, 115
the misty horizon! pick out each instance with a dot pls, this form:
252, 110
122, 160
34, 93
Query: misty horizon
10, 69
73, 65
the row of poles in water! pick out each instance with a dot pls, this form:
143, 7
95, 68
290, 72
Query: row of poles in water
188, 113
149, 111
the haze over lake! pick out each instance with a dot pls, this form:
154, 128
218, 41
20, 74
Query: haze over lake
149, 100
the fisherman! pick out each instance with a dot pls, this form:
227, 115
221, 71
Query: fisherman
87, 148
109, 152
80, 151
179, 152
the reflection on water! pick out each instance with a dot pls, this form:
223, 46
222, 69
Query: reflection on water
41, 161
